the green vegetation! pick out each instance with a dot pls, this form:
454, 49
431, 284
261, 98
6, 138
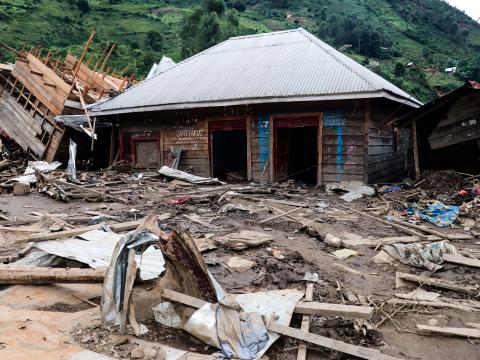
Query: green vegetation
384, 35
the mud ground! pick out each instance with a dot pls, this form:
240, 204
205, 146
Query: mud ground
48, 322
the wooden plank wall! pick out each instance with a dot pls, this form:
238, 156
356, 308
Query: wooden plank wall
387, 150
43, 82
260, 146
462, 123
19, 125
343, 143
88, 76
189, 135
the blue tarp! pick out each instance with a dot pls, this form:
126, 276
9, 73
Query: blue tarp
436, 213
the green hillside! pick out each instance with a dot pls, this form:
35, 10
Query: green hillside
384, 35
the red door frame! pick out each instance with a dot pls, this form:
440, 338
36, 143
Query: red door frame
293, 121
135, 138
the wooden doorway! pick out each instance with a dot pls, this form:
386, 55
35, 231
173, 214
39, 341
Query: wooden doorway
297, 148
228, 146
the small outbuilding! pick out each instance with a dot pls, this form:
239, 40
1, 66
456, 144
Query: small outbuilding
274, 106
446, 132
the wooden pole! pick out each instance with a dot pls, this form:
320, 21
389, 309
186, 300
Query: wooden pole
84, 52
31, 275
415, 149
100, 58
106, 59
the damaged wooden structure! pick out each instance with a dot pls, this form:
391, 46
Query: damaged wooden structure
276, 106
446, 132
36, 90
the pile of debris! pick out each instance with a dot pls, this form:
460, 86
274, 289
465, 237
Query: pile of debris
239, 271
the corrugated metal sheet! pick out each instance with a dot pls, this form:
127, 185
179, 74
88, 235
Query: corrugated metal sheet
279, 65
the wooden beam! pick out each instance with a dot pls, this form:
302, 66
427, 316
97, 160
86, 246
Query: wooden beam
106, 59
131, 225
415, 149
84, 52
461, 260
16, 274
302, 346
461, 332
278, 216
306, 308
358, 351
402, 279
99, 61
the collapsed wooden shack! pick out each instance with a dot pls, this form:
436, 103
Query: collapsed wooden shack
446, 132
36, 90
274, 106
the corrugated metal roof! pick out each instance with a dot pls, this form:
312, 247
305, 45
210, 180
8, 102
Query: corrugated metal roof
288, 65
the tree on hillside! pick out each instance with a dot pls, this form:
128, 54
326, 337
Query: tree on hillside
83, 6
239, 5
154, 40
217, 6
205, 27
399, 70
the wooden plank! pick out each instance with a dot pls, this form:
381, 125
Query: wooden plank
249, 147
306, 308
324, 309
461, 332
461, 260
358, 351
16, 274
401, 279
302, 346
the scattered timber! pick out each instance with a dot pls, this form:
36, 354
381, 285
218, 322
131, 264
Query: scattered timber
306, 308
358, 351
461, 260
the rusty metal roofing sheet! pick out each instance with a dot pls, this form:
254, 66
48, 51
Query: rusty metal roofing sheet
290, 65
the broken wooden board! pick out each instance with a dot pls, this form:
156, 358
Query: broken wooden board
243, 239
358, 351
16, 274
405, 280
306, 308
461, 332
461, 260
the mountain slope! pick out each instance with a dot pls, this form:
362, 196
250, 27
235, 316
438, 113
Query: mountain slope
381, 34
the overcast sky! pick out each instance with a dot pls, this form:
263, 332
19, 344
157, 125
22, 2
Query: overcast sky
471, 7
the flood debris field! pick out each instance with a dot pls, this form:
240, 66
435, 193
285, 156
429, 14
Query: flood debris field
159, 265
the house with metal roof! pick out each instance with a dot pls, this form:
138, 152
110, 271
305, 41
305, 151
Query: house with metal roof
274, 106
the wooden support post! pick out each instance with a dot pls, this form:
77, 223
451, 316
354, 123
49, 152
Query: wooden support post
366, 132
302, 346
249, 147
320, 150
415, 148
112, 145
31, 275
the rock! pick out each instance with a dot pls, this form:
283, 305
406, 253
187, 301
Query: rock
239, 264
137, 353
21, 188
118, 339
333, 240
276, 253
85, 339
151, 354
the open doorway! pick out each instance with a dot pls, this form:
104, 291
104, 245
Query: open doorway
297, 154
228, 147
